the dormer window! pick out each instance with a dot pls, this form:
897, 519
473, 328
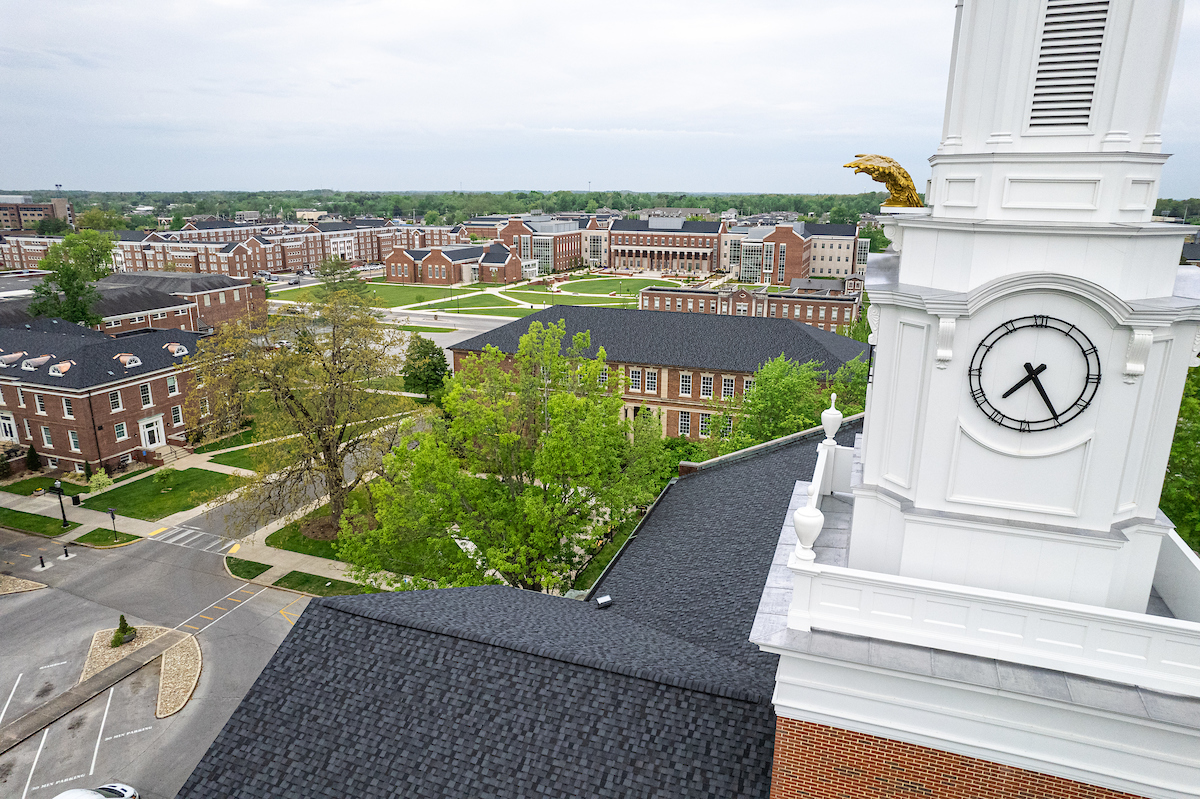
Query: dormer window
127, 360
10, 358
59, 369
176, 350
32, 364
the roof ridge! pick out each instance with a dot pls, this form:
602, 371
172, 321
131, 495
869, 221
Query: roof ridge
651, 675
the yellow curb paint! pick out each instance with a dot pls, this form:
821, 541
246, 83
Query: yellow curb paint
156, 532
233, 549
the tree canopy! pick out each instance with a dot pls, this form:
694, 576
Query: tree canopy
425, 366
308, 377
52, 226
101, 219
74, 262
338, 275
531, 467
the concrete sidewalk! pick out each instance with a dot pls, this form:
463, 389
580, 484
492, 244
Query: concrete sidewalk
254, 547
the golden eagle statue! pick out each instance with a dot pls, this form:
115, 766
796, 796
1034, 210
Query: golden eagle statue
888, 172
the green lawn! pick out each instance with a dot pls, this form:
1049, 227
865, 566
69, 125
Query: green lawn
245, 436
239, 458
245, 569
478, 301
321, 586
630, 285
34, 523
26, 487
148, 499
103, 537
532, 287
388, 295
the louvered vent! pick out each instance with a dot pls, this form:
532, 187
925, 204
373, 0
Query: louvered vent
1067, 63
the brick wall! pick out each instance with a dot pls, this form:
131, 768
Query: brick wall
819, 762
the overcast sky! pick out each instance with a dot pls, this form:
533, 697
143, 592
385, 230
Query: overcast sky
681, 96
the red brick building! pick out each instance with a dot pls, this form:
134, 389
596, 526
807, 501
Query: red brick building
824, 304
216, 298
664, 244
81, 396
680, 365
556, 244
20, 211
445, 266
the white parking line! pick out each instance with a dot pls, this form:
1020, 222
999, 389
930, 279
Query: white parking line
10, 696
231, 610
36, 757
52, 665
100, 735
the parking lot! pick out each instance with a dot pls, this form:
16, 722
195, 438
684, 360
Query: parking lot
115, 736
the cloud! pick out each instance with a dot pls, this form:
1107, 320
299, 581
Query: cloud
378, 95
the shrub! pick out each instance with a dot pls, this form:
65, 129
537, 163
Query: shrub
87, 470
99, 481
123, 629
5, 468
165, 474
33, 461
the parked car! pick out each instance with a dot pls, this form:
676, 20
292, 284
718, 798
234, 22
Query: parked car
273, 278
296, 281
114, 790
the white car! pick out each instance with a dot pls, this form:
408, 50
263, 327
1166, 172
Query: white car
114, 790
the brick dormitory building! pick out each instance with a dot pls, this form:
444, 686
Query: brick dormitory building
679, 364
825, 304
84, 396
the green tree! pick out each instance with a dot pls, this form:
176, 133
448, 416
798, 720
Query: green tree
860, 328
338, 275
532, 464
33, 461
52, 226
101, 219
433, 218
88, 250
325, 427
879, 242
425, 366
842, 215
177, 221
1181, 487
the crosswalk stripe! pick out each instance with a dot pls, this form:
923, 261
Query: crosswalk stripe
174, 535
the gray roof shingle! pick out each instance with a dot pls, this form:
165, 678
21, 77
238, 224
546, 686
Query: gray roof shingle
685, 340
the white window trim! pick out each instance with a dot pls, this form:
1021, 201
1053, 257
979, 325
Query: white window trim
73, 441
175, 408
712, 384
123, 433
148, 393
688, 375
120, 401
68, 408
172, 386
46, 439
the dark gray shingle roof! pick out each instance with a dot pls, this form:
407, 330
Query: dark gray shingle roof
172, 282
643, 225
698, 341
93, 352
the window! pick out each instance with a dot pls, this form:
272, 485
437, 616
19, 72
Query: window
656, 303
726, 387
679, 303
685, 423
119, 429
635, 379
181, 312
704, 419
685, 385
172, 386
125, 459
207, 300
785, 310
236, 296
146, 398
822, 312
728, 426
773, 310
651, 382
221, 297
712, 306
176, 415
706, 387
41, 403
113, 323
21, 398
73, 437
782, 259
68, 408
604, 376
46, 437
139, 318
809, 314
747, 384
52, 463
27, 433
689, 306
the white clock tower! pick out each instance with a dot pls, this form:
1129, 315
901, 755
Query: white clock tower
981, 598
1032, 343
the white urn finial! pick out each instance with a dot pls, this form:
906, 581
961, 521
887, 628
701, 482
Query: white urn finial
831, 418
807, 521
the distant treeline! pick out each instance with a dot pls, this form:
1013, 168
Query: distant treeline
454, 206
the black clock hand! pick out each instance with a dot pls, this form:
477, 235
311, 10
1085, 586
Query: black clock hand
1038, 385
1030, 374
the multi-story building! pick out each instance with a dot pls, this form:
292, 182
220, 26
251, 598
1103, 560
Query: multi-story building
664, 244
824, 304
19, 211
217, 298
556, 244
81, 396
777, 254
679, 365
470, 263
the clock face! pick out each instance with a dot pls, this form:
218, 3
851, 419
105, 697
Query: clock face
1034, 373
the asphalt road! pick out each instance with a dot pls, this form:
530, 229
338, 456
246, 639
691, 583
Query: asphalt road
115, 736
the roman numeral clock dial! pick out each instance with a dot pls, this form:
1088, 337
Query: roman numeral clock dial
1034, 373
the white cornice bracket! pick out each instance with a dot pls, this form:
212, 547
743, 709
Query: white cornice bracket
945, 341
1136, 354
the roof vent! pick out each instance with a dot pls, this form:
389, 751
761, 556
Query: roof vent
1068, 61
177, 350
604, 601
31, 364
127, 360
59, 369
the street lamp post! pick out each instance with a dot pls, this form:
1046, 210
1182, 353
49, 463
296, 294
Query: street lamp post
58, 490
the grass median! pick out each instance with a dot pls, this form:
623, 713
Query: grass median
33, 522
245, 569
101, 537
155, 497
315, 584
